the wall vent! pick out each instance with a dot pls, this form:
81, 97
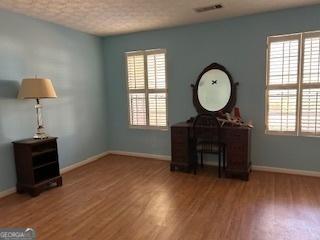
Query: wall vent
208, 8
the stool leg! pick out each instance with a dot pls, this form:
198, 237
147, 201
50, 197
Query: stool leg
201, 159
219, 163
224, 157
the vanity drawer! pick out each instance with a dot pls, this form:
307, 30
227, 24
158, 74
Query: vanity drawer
235, 135
180, 146
179, 134
237, 156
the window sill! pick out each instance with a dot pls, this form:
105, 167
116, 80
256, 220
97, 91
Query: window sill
285, 134
291, 134
149, 128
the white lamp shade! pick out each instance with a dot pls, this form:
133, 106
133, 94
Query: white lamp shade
33, 88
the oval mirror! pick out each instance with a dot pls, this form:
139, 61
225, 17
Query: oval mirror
214, 90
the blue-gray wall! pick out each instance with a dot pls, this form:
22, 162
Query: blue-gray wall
74, 62
90, 115
239, 44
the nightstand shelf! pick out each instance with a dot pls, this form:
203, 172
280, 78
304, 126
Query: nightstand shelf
37, 165
44, 165
50, 150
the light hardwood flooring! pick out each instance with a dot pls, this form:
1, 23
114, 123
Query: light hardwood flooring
121, 197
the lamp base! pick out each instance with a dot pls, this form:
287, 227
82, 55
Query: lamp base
40, 134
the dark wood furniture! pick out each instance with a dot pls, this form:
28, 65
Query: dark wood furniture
37, 165
214, 93
206, 137
237, 142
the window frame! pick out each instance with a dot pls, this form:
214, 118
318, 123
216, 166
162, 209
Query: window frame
299, 86
146, 89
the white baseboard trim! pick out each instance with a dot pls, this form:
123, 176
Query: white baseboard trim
211, 163
143, 155
84, 162
286, 171
7, 192
62, 171
154, 156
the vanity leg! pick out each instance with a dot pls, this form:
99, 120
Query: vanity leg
172, 168
20, 189
224, 157
194, 167
59, 182
201, 159
245, 176
219, 164
34, 192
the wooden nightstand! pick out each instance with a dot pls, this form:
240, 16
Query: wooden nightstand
37, 165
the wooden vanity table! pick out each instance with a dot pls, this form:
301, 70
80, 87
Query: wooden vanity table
237, 140
214, 93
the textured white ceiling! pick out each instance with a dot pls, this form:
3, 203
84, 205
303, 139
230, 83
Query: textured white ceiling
111, 17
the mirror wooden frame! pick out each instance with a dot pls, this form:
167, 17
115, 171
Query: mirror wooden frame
233, 96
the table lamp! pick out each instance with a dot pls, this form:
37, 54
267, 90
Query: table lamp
37, 88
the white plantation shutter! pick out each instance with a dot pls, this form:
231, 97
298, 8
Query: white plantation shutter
136, 88
135, 72
137, 106
310, 111
310, 86
157, 85
158, 109
282, 110
283, 62
293, 84
147, 88
311, 60
282, 84
156, 71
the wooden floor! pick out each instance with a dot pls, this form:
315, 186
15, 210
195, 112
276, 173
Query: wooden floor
134, 198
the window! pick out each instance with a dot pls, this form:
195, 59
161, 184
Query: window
293, 84
147, 89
